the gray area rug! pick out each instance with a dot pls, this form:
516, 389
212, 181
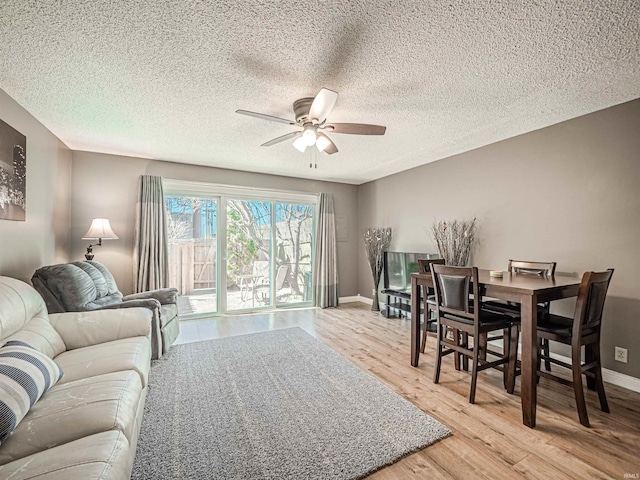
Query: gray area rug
274, 405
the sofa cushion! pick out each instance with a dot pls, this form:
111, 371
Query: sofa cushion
105, 456
25, 374
120, 355
40, 334
74, 410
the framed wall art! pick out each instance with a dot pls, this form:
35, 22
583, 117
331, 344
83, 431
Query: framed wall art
13, 173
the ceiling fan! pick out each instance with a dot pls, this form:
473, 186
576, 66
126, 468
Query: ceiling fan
311, 116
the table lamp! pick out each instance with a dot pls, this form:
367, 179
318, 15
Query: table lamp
100, 229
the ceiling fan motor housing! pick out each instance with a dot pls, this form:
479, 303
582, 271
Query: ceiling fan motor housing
301, 109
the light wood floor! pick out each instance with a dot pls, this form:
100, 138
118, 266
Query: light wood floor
489, 440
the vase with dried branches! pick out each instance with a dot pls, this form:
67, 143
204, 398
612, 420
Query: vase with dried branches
376, 241
455, 240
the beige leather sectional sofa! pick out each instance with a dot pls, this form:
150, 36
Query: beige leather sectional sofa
86, 426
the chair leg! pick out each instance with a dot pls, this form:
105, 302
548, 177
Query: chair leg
510, 367
456, 356
595, 353
482, 343
465, 344
436, 370
576, 364
545, 351
423, 343
589, 357
506, 353
539, 361
474, 370
425, 327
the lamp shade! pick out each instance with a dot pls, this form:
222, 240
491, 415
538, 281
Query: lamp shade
309, 135
100, 229
300, 144
322, 143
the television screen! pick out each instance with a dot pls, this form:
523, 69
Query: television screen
398, 267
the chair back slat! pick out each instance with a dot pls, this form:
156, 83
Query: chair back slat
532, 268
424, 264
590, 302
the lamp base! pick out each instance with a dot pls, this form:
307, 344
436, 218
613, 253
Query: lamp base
88, 256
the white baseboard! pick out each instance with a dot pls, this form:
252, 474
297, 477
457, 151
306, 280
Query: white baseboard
356, 298
610, 376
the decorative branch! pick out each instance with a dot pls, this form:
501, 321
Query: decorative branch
376, 241
454, 240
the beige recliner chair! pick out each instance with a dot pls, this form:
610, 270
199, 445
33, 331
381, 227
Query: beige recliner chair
84, 286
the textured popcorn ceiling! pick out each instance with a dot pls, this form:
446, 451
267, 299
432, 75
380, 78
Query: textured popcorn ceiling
162, 79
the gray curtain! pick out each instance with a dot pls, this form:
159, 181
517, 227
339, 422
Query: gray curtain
151, 262
325, 274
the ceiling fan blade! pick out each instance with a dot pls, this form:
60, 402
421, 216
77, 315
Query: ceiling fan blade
266, 117
280, 139
323, 140
322, 105
356, 128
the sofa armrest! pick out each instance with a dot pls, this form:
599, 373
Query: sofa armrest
150, 303
82, 329
165, 296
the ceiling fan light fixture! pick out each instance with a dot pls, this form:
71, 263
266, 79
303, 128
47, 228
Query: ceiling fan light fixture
322, 143
309, 136
300, 144
311, 116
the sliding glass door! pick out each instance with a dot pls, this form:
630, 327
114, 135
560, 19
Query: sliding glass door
192, 234
248, 254
231, 252
294, 253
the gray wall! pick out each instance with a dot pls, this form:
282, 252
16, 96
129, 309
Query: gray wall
106, 185
569, 193
44, 237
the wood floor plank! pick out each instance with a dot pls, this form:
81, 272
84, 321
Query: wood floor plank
534, 468
489, 439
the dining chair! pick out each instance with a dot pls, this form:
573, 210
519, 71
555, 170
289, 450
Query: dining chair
457, 310
524, 267
429, 324
581, 330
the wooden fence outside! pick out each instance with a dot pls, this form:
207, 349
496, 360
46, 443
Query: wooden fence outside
192, 265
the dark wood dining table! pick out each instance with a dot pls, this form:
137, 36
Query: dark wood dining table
528, 291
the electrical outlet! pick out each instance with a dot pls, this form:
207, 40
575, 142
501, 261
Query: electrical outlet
621, 354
